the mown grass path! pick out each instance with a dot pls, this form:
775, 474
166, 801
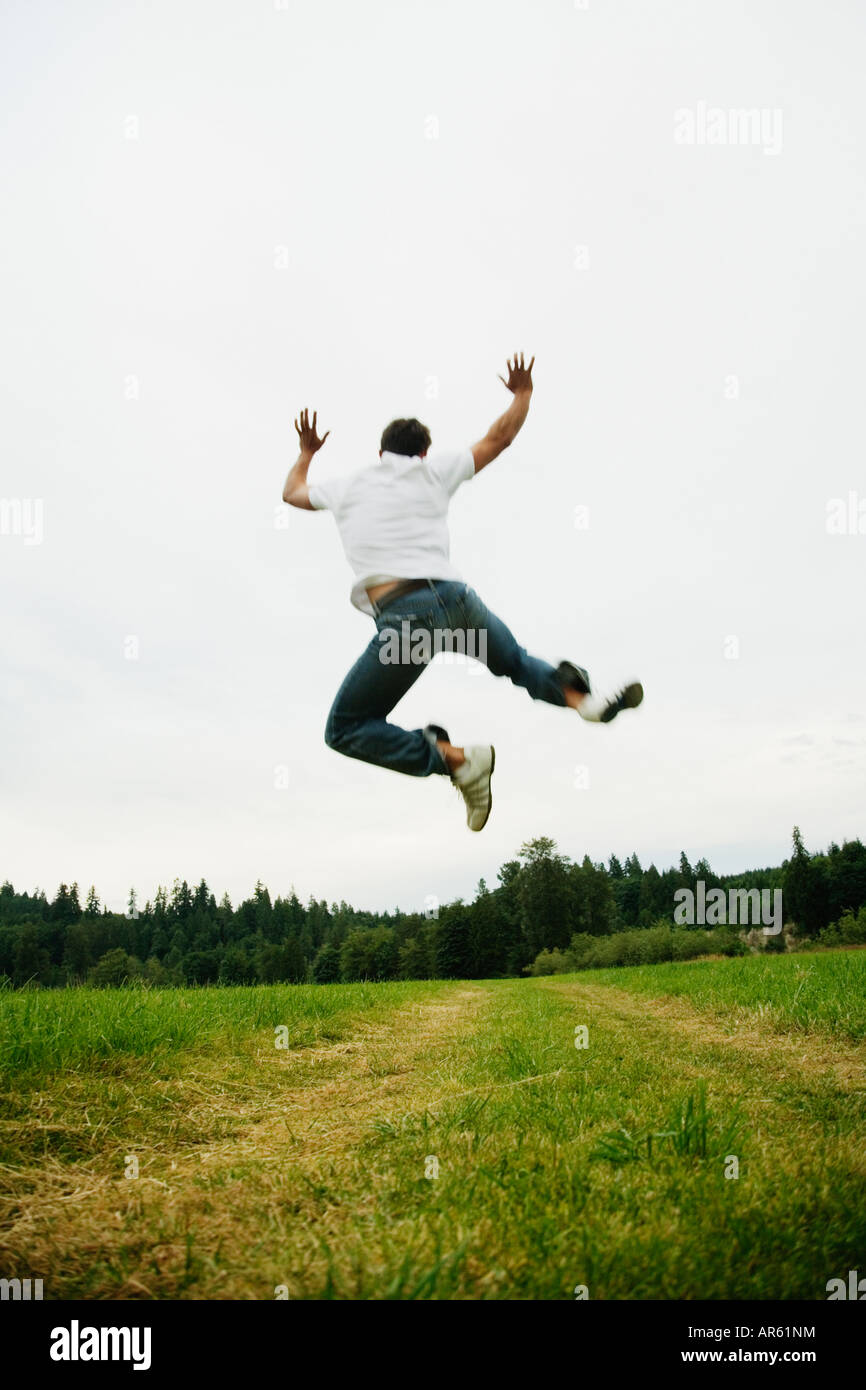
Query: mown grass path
229, 1143
458, 1145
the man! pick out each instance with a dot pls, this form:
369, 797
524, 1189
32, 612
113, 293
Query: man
392, 520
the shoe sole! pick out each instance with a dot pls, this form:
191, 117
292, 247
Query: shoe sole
630, 698
476, 830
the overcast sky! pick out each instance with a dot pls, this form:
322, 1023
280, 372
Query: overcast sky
216, 213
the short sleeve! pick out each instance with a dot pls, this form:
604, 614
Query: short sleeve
452, 469
324, 497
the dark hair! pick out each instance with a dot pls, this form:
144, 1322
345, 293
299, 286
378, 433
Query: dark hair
405, 437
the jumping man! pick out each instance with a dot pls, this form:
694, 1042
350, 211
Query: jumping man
392, 520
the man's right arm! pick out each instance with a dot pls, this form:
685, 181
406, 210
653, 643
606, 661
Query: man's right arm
296, 493
504, 430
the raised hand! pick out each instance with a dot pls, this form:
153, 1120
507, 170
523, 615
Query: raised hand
519, 376
310, 441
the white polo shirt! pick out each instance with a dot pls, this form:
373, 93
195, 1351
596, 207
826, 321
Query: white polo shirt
393, 517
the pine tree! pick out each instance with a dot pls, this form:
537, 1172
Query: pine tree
382, 953
77, 955
294, 965
805, 889
546, 896
486, 957
627, 892
515, 948
65, 907
451, 943
596, 907
181, 901
326, 966
846, 874
31, 960
653, 901
353, 957
705, 875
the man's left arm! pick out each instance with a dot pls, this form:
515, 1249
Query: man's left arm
296, 492
504, 430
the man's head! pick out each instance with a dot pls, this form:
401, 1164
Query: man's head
405, 437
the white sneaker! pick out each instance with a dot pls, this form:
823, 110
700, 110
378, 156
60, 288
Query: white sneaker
601, 709
472, 780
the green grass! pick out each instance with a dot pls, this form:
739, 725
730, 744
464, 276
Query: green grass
131, 1059
43, 1031
823, 993
535, 1196
555, 1167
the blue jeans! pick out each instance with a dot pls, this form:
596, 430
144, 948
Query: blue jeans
357, 724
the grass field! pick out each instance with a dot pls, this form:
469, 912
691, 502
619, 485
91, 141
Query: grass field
442, 1140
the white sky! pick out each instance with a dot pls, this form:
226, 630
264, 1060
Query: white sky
307, 126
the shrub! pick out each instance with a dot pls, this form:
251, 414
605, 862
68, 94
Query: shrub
850, 930
642, 946
552, 962
581, 949
115, 968
728, 943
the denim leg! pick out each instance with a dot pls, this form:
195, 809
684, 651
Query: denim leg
357, 725
505, 656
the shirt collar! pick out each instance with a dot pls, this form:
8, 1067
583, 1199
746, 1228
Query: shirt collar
388, 457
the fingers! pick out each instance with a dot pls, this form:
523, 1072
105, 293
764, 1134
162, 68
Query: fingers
518, 364
519, 375
305, 429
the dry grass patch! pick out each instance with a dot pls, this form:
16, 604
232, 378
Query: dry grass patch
219, 1190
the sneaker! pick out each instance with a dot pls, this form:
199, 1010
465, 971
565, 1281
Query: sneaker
472, 780
601, 709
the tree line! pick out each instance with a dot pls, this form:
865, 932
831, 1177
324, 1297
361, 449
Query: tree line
543, 906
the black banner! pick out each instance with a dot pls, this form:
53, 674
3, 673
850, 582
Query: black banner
78, 1339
